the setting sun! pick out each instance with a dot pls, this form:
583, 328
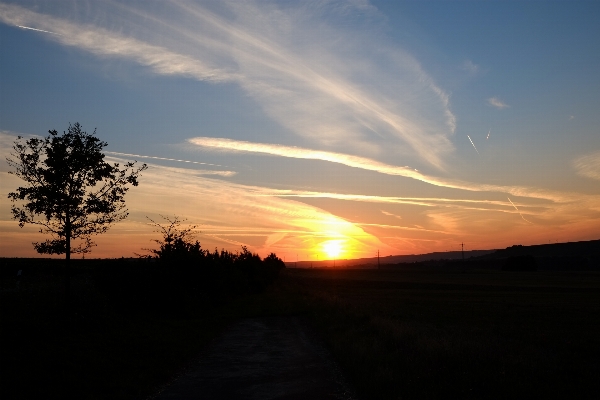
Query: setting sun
333, 248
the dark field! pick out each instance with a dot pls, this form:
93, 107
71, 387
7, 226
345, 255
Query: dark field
434, 334
411, 334
114, 340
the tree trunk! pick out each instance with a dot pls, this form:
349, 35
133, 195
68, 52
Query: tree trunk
68, 261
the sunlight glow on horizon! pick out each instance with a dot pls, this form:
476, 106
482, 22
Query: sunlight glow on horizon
333, 248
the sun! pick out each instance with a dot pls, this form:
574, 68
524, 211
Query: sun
333, 248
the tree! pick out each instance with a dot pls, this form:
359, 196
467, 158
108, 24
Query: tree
71, 192
177, 243
274, 263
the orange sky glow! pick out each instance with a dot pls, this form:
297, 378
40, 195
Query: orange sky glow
341, 131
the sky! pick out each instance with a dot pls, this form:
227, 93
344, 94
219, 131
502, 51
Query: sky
319, 129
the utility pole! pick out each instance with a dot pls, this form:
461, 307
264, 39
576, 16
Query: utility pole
378, 265
462, 245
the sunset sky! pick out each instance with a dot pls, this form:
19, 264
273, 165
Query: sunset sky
321, 129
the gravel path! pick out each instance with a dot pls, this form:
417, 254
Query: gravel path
263, 358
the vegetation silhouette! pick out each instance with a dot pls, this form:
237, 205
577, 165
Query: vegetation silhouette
180, 276
70, 192
177, 242
416, 330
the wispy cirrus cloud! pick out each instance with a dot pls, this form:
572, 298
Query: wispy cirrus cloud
389, 214
103, 42
496, 102
222, 144
430, 202
404, 228
334, 85
588, 165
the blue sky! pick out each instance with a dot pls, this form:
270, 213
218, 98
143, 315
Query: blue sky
407, 127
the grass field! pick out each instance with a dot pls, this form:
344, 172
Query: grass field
409, 333
439, 334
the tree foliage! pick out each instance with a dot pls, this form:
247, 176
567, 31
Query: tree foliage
176, 242
192, 269
71, 192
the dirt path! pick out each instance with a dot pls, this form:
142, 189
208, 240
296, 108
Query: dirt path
263, 358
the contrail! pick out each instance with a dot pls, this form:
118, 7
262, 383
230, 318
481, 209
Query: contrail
488, 136
473, 144
513, 204
162, 158
38, 30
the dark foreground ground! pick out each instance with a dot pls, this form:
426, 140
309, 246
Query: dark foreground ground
263, 359
401, 334
437, 334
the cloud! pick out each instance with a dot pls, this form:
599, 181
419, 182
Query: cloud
191, 172
103, 42
390, 214
405, 228
496, 102
470, 67
588, 165
225, 173
473, 144
430, 202
328, 82
222, 144
37, 30
513, 204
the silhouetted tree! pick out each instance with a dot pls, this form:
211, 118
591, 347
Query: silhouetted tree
177, 242
274, 264
71, 192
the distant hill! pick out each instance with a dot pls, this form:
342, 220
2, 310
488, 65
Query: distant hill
570, 256
589, 248
446, 255
557, 256
372, 261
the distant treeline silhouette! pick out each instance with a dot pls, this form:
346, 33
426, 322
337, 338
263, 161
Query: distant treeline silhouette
175, 284
181, 274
